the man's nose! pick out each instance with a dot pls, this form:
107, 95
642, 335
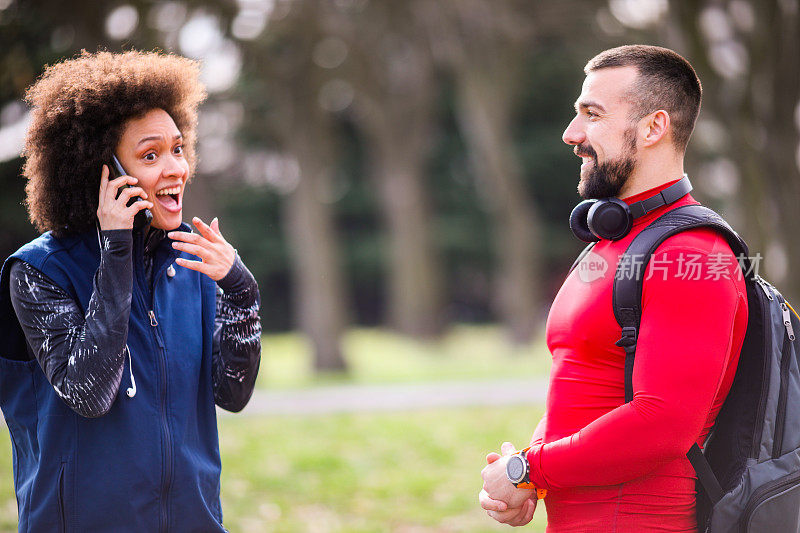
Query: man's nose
574, 133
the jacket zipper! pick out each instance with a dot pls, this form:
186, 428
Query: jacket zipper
167, 477
162, 362
61, 503
764, 492
762, 402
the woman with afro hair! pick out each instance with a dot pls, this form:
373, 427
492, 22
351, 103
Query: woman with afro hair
121, 327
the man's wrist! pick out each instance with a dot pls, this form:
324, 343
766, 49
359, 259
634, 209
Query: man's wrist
518, 472
534, 457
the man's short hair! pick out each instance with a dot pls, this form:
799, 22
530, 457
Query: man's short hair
666, 81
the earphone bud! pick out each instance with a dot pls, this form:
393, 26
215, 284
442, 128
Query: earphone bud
131, 392
612, 218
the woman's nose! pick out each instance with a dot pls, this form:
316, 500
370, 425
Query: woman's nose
174, 167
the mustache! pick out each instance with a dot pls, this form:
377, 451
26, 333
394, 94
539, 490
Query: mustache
585, 150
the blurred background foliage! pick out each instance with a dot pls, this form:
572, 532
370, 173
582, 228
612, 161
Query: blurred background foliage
400, 163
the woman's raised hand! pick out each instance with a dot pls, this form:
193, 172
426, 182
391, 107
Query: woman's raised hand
112, 210
216, 254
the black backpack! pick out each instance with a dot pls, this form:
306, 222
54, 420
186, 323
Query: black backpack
749, 470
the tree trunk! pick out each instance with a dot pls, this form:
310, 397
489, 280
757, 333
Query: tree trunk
781, 150
308, 221
391, 69
397, 137
415, 278
483, 112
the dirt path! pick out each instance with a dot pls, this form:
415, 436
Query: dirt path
396, 397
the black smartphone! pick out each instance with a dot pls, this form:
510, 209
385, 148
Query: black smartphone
144, 217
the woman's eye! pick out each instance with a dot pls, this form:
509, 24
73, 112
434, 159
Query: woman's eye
179, 149
151, 156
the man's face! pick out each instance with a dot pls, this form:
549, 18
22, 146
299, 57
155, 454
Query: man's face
602, 134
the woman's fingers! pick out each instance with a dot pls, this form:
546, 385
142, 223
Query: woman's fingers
113, 211
193, 249
103, 181
218, 256
135, 207
114, 184
129, 192
205, 230
185, 236
199, 266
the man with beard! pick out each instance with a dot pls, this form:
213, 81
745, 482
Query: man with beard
600, 463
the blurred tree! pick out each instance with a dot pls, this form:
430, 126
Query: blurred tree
281, 67
745, 52
391, 70
484, 45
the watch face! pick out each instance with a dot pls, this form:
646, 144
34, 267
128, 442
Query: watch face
515, 469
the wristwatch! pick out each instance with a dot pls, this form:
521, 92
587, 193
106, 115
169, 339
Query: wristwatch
518, 472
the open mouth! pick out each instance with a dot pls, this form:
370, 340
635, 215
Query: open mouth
170, 198
587, 160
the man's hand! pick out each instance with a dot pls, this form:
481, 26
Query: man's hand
500, 498
513, 517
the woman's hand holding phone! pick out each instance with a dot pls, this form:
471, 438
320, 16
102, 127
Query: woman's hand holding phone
112, 208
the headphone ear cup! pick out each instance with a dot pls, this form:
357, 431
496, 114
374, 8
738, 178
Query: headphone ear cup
578, 221
609, 219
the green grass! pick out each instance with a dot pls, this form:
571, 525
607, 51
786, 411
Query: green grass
398, 472
404, 472
380, 356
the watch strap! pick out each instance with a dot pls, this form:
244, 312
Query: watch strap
527, 483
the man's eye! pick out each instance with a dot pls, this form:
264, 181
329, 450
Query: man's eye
179, 149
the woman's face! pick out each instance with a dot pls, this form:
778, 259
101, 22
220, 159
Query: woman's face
151, 150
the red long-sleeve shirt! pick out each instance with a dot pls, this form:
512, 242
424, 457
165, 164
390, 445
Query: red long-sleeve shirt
612, 466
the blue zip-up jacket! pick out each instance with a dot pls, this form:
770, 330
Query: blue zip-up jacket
152, 462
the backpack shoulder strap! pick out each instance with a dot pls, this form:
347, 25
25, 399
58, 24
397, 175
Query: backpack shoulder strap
627, 296
583, 254
629, 277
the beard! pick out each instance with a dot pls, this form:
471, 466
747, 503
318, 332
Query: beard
606, 179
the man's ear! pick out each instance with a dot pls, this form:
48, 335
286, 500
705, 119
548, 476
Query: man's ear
654, 127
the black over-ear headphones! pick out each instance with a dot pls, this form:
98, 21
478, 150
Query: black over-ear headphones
612, 219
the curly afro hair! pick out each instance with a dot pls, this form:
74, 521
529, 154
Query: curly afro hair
80, 107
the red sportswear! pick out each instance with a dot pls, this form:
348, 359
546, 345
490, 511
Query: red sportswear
612, 466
